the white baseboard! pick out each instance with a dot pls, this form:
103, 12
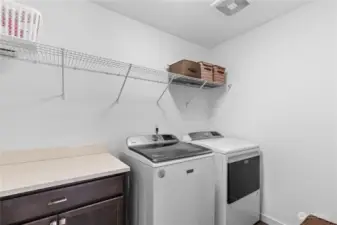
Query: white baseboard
270, 221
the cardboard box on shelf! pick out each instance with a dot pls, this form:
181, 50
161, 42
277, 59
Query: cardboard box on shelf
219, 74
206, 71
186, 67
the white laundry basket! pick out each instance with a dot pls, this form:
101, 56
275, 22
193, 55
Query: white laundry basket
19, 21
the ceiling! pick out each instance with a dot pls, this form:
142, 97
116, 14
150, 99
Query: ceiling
196, 21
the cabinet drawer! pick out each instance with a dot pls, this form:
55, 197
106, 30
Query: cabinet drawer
54, 201
45, 221
108, 212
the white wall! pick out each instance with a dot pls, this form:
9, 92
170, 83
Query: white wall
32, 115
284, 97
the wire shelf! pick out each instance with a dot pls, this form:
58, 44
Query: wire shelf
59, 57
31, 52
193, 82
14, 48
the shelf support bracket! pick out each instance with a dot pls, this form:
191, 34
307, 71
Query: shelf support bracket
229, 87
62, 61
167, 87
122, 88
200, 88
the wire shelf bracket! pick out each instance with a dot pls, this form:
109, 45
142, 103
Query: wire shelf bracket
201, 87
229, 87
167, 87
63, 88
124, 82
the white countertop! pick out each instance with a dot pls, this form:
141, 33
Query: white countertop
22, 177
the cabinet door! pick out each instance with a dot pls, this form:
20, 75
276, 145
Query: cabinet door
108, 212
46, 221
51, 202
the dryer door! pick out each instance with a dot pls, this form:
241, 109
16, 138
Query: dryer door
243, 176
243, 189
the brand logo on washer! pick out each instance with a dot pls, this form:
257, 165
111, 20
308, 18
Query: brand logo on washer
161, 173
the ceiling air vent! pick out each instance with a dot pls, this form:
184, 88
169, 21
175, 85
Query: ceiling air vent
231, 7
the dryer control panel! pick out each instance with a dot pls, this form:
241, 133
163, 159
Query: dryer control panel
204, 135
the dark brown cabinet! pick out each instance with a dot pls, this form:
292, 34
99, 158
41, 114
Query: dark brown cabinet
46, 221
103, 213
96, 202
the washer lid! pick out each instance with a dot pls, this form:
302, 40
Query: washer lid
226, 145
161, 150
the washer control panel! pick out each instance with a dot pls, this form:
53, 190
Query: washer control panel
152, 140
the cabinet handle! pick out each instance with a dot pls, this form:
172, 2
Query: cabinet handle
53, 222
63, 221
58, 201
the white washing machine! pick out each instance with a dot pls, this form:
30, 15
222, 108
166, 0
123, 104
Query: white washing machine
172, 182
237, 163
